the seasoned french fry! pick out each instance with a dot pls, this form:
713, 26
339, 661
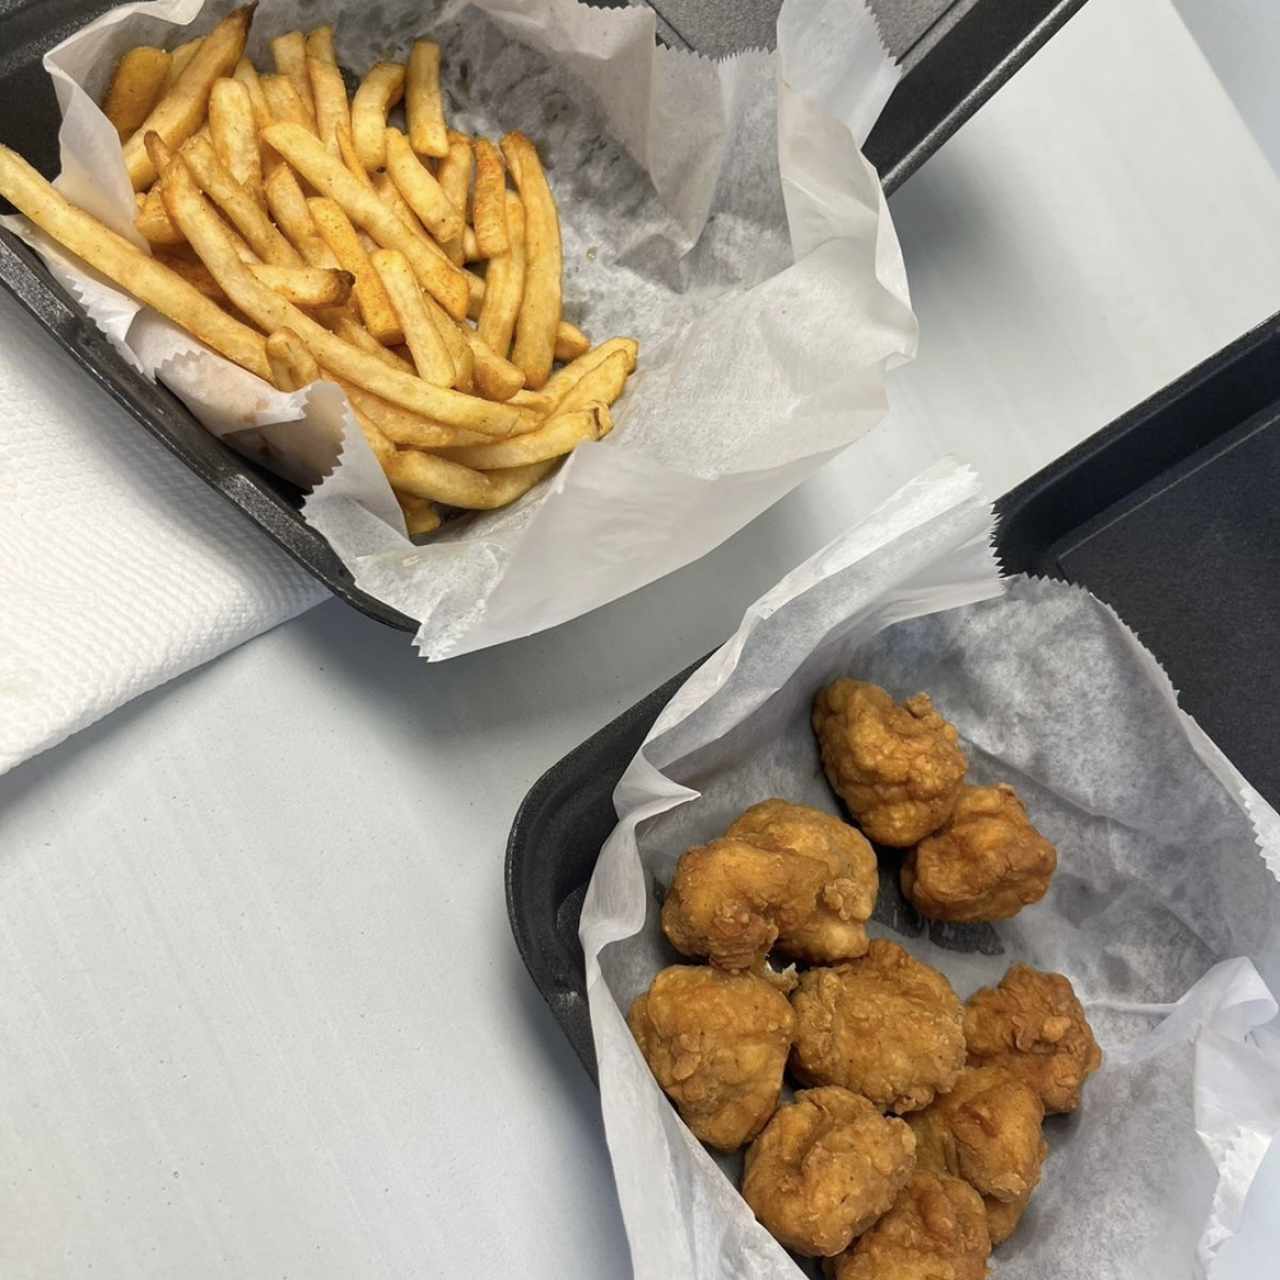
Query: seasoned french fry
423, 101
556, 437
235, 135
475, 293
352, 331
136, 87
423, 194
247, 74
379, 91
441, 480
488, 201
161, 156
409, 430
329, 93
454, 175
328, 174
181, 109
379, 445
128, 266
420, 516
289, 53
504, 284
347, 154
284, 103
426, 345
603, 384
539, 318
204, 229
292, 365
306, 286
193, 271
563, 381
496, 378
375, 307
389, 194
153, 221
180, 60
288, 207
320, 45
244, 212
571, 342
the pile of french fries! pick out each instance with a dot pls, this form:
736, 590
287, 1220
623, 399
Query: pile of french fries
297, 233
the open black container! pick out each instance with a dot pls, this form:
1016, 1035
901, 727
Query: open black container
1169, 515
956, 54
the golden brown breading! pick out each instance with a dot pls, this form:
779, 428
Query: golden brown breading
896, 766
937, 1230
1003, 1216
833, 929
825, 1168
1033, 1024
986, 863
717, 1044
886, 1026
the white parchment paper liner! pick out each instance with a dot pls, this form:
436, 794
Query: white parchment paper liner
1163, 911
719, 212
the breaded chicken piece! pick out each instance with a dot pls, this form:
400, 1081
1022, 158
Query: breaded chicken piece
896, 766
717, 1044
825, 1168
886, 1026
936, 1230
833, 929
986, 1131
987, 861
1033, 1024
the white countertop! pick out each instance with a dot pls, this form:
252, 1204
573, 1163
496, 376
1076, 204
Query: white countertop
260, 1008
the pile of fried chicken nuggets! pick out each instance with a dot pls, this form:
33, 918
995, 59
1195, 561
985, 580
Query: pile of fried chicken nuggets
870, 1032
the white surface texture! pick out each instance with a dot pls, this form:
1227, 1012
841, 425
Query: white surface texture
259, 1006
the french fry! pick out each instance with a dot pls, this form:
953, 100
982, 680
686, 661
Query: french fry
420, 516
389, 194
352, 331
136, 87
284, 103
541, 403
180, 60
475, 293
375, 307
423, 101
496, 378
603, 384
423, 194
306, 286
539, 318
563, 381
292, 365
347, 154
382, 448
247, 74
181, 109
408, 430
153, 221
193, 271
234, 133
488, 201
379, 91
556, 437
161, 156
454, 175
470, 247
244, 212
288, 207
289, 52
426, 345
571, 342
128, 266
329, 93
204, 229
504, 284
320, 45
441, 480
328, 174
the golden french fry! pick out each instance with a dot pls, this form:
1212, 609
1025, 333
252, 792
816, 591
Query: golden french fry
288, 207
320, 45
347, 154
180, 60
243, 211
563, 381
128, 266
306, 286
193, 271
247, 74
328, 174
420, 516
539, 318
136, 87
284, 103
454, 175
426, 345
423, 101
571, 342
235, 135
496, 378
161, 156
289, 53
375, 307
351, 330
424, 195
488, 201
153, 221
541, 403
181, 109
292, 365
329, 93
475, 293
389, 194
470, 246
504, 284
603, 384
556, 437
379, 91
379, 445
459, 350
441, 480
409, 430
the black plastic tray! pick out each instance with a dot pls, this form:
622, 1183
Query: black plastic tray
1169, 515
942, 87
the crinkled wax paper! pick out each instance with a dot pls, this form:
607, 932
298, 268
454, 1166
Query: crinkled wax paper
1163, 912
719, 212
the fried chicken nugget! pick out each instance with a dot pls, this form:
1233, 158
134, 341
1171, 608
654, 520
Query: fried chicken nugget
987, 1131
896, 766
1033, 1024
886, 1026
717, 1044
833, 929
987, 861
825, 1168
935, 1231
